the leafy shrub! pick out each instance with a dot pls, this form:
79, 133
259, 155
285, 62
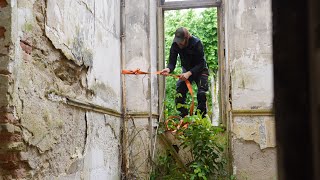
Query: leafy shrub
206, 144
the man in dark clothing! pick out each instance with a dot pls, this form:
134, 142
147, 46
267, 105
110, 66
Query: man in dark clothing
194, 68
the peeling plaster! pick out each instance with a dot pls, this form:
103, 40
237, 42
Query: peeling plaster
249, 162
59, 136
66, 34
251, 71
258, 129
76, 54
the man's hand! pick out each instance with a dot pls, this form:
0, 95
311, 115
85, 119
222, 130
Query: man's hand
165, 72
185, 76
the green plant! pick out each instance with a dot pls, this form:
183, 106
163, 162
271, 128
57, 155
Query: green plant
208, 153
206, 144
166, 169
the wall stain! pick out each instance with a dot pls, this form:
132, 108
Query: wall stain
104, 91
80, 52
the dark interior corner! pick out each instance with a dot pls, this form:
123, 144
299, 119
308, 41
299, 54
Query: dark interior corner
296, 70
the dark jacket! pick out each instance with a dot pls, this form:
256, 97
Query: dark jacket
192, 56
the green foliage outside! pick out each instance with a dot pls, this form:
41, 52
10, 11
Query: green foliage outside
205, 142
202, 24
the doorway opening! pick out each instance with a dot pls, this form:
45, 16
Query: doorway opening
203, 24
184, 147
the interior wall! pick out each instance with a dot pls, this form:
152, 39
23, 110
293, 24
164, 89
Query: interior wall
61, 87
65, 89
140, 49
248, 29
60, 77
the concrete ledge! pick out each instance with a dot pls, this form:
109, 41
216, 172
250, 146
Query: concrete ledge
97, 108
252, 112
93, 107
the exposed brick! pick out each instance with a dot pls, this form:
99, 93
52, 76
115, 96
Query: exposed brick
2, 30
11, 164
10, 137
5, 72
3, 3
7, 118
12, 146
15, 171
9, 157
26, 47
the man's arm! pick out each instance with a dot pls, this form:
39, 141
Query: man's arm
200, 57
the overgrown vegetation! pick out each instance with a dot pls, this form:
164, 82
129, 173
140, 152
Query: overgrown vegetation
204, 142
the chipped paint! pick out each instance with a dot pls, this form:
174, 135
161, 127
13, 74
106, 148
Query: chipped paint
248, 39
61, 60
257, 129
61, 55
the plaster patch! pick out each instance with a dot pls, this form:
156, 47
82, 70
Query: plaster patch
72, 32
250, 162
105, 94
241, 9
257, 129
44, 127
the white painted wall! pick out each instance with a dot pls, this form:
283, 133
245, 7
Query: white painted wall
248, 34
98, 25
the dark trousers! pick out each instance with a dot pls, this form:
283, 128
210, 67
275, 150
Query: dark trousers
202, 83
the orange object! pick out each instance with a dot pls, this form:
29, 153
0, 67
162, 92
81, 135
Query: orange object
181, 123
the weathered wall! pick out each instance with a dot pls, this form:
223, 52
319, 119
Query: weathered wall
60, 64
11, 142
248, 42
141, 91
61, 88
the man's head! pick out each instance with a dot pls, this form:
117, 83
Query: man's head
181, 37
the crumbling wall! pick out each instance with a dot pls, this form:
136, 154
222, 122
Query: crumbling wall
249, 52
141, 101
11, 141
60, 89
